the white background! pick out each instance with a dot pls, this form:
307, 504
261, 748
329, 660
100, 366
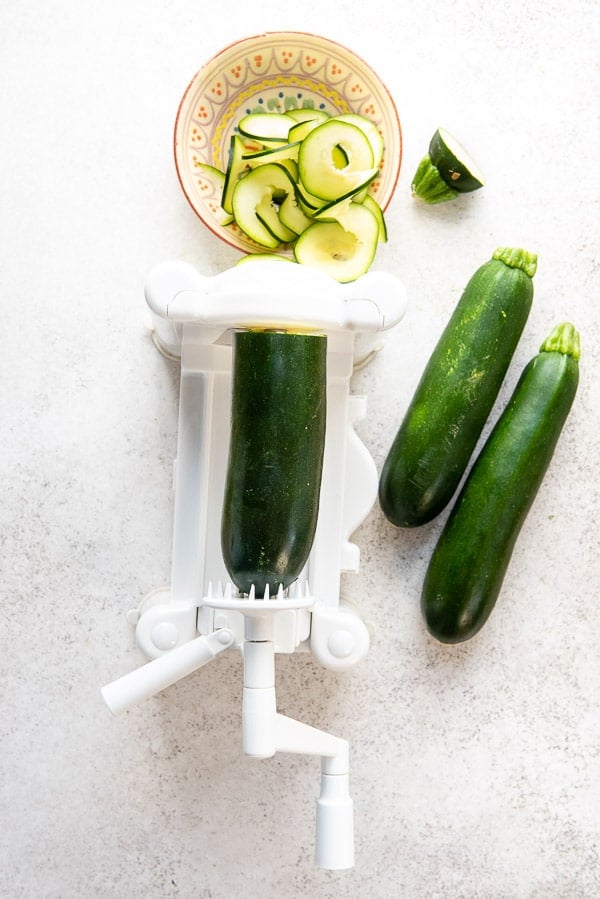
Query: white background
474, 768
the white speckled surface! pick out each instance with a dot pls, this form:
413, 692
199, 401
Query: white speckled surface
475, 769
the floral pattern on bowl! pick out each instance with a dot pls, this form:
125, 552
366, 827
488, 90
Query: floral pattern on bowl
274, 72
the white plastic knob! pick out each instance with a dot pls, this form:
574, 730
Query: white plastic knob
339, 637
334, 848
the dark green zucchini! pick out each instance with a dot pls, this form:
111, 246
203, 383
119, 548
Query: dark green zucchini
457, 390
468, 565
276, 455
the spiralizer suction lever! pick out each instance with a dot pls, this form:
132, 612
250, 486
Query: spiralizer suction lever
150, 679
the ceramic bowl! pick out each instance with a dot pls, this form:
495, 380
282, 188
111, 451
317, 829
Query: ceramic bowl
275, 71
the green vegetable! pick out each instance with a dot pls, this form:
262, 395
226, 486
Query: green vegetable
275, 458
469, 563
216, 179
328, 176
330, 163
457, 390
254, 204
345, 248
236, 168
446, 171
266, 126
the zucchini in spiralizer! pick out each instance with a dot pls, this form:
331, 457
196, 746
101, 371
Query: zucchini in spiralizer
457, 390
468, 565
275, 462
446, 171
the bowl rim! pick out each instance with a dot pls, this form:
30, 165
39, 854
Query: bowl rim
258, 36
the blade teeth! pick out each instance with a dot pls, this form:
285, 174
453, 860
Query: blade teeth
280, 592
252, 592
266, 594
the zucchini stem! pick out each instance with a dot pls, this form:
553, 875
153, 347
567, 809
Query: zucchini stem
563, 339
429, 185
516, 258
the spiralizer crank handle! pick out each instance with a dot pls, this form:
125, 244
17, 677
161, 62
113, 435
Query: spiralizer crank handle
334, 842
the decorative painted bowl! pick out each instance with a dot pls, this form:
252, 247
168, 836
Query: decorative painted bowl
275, 71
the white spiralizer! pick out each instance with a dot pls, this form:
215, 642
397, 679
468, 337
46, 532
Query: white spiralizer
184, 626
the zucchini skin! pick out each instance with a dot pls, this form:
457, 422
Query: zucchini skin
275, 460
457, 390
454, 170
470, 560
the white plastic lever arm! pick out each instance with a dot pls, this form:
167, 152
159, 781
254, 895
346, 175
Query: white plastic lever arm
160, 673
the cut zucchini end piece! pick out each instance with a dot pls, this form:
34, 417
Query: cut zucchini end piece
456, 166
429, 185
344, 252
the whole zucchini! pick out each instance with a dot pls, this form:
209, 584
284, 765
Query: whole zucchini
275, 458
457, 390
468, 564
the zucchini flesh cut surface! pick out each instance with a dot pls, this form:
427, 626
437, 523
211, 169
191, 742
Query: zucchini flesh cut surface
236, 167
267, 126
325, 165
370, 130
373, 206
319, 160
292, 216
255, 203
330, 211
273, 154
216, 178
299, 131
343, 249
307, 114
